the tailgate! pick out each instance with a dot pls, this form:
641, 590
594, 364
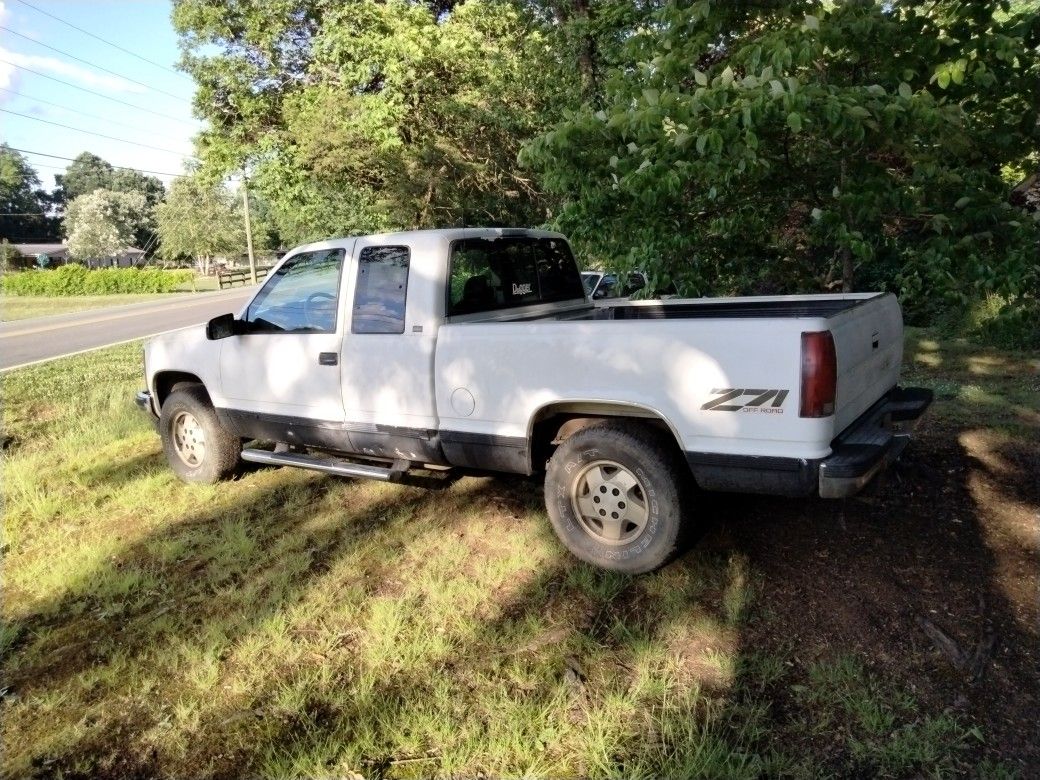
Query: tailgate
868, 342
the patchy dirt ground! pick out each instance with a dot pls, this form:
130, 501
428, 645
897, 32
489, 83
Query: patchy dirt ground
933, 573
290, 625
932, 576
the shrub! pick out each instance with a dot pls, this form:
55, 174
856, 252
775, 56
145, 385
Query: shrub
995, 321
74, 279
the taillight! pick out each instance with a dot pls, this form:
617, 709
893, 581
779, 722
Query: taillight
819, 374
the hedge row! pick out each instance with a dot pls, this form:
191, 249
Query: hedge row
77, 280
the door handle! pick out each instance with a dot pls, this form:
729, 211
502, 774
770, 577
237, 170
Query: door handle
328, 359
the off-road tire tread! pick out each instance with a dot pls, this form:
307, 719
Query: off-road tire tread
660, 458
222, 448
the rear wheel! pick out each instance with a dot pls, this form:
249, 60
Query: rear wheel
614, 495
197, 448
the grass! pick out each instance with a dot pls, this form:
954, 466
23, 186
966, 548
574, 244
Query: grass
287, 624
20, 307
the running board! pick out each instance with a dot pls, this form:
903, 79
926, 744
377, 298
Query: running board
340, 468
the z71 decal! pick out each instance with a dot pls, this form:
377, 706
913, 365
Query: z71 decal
756, 404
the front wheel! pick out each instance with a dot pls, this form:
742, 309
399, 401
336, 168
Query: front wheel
197, 448
614, 495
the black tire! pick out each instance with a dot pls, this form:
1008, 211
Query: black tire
219, 455
661, 480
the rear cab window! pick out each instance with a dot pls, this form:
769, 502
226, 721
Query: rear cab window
381, 290
490, 274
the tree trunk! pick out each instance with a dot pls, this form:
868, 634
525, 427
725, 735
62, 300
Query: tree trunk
577, 12
847, 269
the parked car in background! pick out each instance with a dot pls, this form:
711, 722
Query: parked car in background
599, 285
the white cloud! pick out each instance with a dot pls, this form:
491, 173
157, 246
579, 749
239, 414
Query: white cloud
7, 74
6, 71
61, 68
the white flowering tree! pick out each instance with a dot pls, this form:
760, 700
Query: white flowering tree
103, 223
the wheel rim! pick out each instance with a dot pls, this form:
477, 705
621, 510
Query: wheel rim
189, 441
609, 502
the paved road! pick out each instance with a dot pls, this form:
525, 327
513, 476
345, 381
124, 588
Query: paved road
45, 338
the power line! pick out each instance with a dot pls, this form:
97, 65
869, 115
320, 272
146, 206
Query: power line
95, 65
99, 135
106, 42
65, 167
73, 159
81, 113
92, 92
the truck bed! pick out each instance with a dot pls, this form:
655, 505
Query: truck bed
673, 358
696, 308
733, 308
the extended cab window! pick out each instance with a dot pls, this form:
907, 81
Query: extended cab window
300, 297
498, 273
382, 286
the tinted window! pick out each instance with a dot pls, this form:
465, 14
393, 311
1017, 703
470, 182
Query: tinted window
636, 282
489, 274
382, 285
589, 281
607, 288
300, 297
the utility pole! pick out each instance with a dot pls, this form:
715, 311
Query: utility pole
249, 230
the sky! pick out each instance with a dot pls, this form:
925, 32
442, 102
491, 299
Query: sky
141, 27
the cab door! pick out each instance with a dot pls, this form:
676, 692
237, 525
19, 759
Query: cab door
388, 353
283, 370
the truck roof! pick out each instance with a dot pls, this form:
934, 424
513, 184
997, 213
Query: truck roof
436, 236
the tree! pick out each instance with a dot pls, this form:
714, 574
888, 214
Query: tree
89, 173
201, 220
102, 223
797, 146
369, 116
8, 254
85, 174
24, 205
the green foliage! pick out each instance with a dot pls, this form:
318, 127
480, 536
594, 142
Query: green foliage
995, 320
370, 116
805, 146
23, 205
74, 279
104, 223
198, 220
8, 255
723, 147
89, 173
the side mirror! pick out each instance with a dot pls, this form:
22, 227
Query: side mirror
221, 327
600, 293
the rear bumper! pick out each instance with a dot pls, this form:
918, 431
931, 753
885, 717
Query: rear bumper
873, 442
862, 450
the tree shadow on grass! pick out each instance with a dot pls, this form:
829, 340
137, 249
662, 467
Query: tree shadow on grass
907, 578
734, 660
213, 577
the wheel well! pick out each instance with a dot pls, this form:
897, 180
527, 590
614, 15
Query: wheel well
168, 381
555, 424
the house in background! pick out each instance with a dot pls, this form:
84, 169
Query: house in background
58, 254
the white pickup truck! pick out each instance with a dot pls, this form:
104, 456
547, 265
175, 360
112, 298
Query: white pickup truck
478, 349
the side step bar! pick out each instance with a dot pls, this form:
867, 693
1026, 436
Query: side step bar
341, 468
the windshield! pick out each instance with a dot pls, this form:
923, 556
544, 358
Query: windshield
589, 281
